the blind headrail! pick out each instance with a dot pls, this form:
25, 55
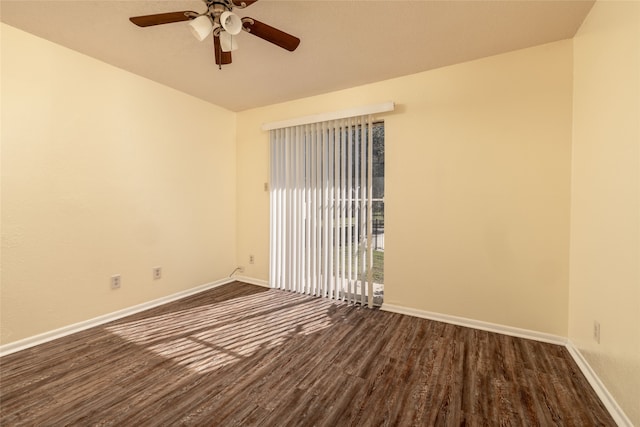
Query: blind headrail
334, 115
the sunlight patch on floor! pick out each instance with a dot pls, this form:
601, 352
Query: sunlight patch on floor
209, 337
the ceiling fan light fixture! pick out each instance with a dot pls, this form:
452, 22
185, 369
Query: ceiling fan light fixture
231, 23
201, 27
228, 42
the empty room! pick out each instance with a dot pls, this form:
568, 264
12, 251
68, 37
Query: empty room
336, 213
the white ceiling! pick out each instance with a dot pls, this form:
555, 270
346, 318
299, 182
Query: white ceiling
344, 43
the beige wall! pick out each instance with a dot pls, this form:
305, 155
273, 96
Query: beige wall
105, 172
605, 203
477, 186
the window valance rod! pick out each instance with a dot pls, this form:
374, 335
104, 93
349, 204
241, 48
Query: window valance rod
334, 115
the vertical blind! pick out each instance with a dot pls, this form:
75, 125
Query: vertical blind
321, 209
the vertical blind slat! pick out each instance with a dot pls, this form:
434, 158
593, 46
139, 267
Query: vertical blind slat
299, 207
318, 188
308, 193
293, 221
352, 212
289, 219
343, 208
361, 256
355, 207
272, 207
330, 210
370, 212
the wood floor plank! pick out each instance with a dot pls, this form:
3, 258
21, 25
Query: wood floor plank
244, 355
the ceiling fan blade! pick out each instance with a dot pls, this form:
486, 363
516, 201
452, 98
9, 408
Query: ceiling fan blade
270, 34
247, 3
222, 58
162, 18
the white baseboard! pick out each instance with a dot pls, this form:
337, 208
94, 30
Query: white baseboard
607, 399
252, 281
25, 343
477, 324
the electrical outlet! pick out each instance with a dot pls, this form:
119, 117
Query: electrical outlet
241, 269
596, 331
251, 259
115, 281
157, 273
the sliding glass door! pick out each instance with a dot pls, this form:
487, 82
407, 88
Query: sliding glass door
327, 209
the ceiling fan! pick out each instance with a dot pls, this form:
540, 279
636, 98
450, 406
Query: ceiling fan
220, 20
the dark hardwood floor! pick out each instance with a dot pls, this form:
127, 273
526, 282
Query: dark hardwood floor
246, 355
